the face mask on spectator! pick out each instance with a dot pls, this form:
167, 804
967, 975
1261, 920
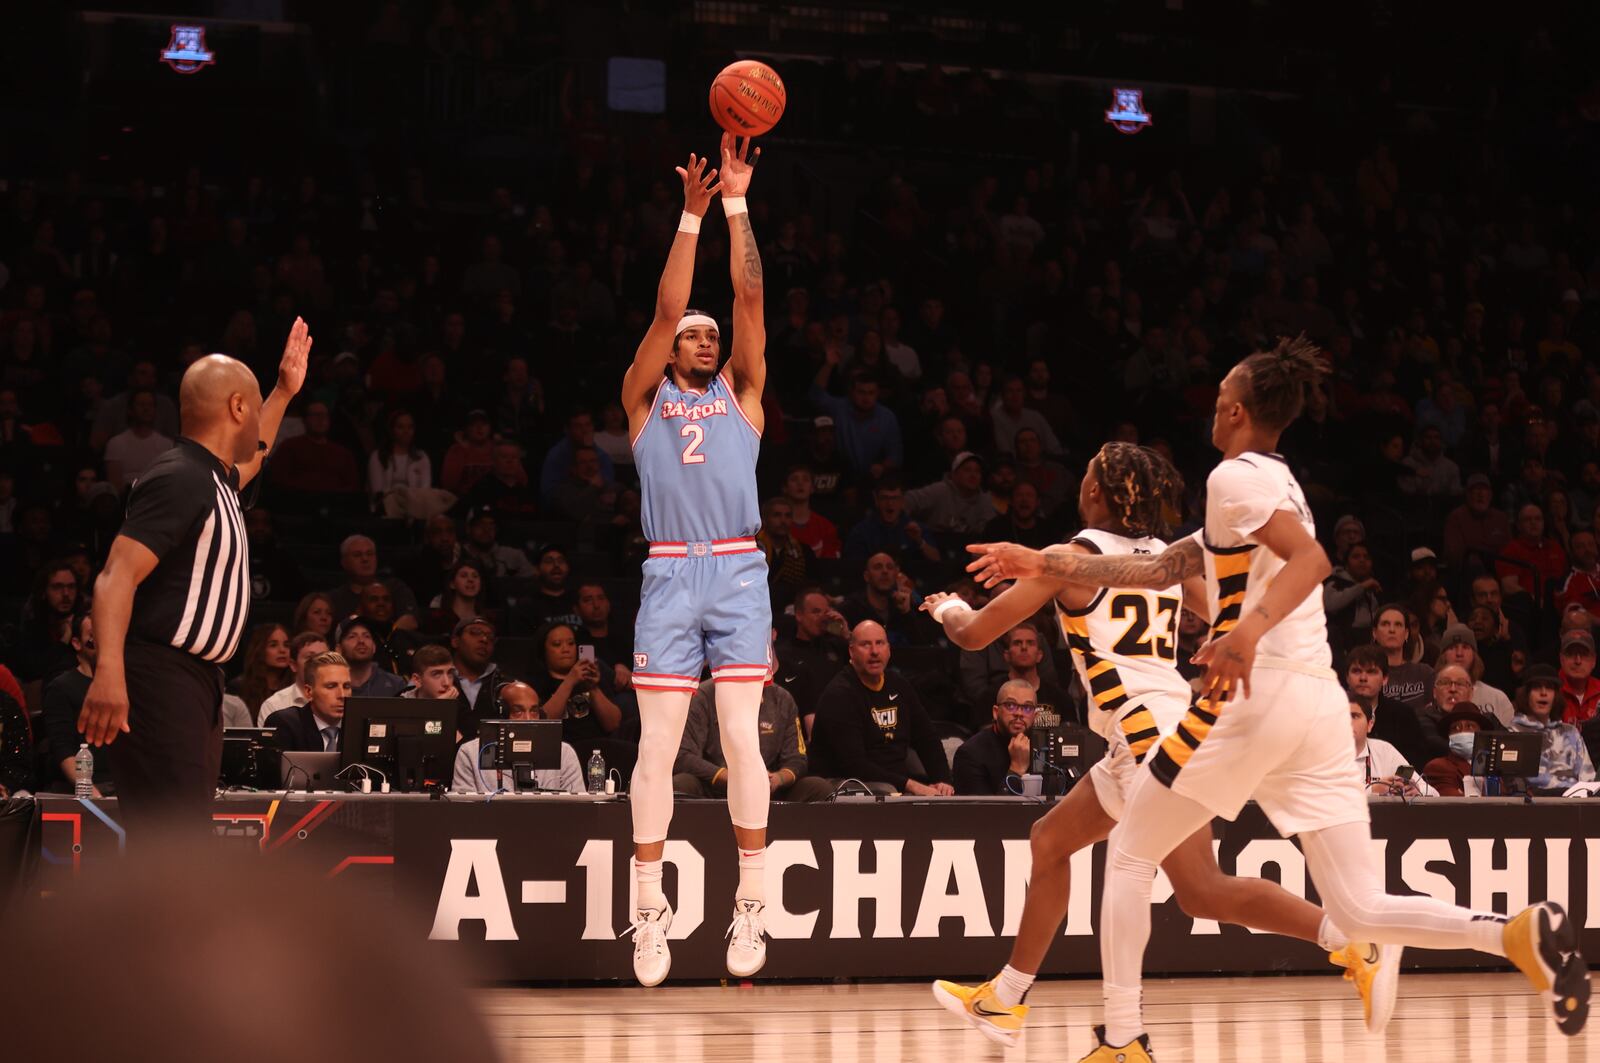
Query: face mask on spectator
1461, 744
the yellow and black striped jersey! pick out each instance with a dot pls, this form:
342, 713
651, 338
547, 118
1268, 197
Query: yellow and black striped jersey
1125, 647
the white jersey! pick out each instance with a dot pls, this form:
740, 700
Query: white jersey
1242, 494
1125, 647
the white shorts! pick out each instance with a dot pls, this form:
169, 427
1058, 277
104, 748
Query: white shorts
1287, 745
1113, 775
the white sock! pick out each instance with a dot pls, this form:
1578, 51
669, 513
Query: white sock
752, 875
1329, 937
1011, 986
648, 877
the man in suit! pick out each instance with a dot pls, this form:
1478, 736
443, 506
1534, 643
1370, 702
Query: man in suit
315, 727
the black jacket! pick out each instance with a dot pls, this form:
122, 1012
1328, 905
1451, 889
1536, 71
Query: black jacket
297, 731
983, 765
867, 734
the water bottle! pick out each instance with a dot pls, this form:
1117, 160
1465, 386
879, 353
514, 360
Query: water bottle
596, 773
83, 772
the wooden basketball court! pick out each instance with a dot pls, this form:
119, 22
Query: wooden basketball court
1463, 1018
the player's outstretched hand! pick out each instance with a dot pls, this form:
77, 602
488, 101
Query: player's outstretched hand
105, 710
292, 369
998, 562
1227, 662
738, 164
936, 599
699, 185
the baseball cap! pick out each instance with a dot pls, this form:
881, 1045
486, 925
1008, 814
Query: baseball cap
462, 625
478, 415
1423, 553
1577, 638
1458, 635
476, 513
1478, 479
822, 422
350, 623
964, 457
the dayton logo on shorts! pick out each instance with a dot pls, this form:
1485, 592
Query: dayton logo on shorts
698, 412
641, 661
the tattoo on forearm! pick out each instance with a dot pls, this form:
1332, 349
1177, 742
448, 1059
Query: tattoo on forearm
1173, 565
752, 253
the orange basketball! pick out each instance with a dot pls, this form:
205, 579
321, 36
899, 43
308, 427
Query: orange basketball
747, 98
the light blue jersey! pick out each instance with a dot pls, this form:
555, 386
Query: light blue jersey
696, 458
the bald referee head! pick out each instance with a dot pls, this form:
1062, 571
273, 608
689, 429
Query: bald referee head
220, 403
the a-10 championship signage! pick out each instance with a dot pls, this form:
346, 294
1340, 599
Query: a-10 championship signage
537, 888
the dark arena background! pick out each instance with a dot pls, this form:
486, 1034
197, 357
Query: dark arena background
992, 238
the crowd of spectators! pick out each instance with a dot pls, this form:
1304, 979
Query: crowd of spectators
944, 362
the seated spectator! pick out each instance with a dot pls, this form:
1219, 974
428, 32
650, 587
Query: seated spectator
433, 675
1499, 635
1565, 759
505, 490
521, 702
1475, 526
889, 527
957, 506
43, 648
314, 613
553, 598
358, 650
810, 659
463, 597
396, 636
130, 452
868, 432
275, 573
470, 457
1019, 657
314, 462
701, 769
477, 676
811, 528
112, 416
1431, 614
558, 461
572, 690
1058, 489
63, 700
1409, 681
584, 494
787, 557
1532, 546
1436, 475
268, 668
1380, 762
498, 562
1582, 583
1459, 646
1366, 674
398, 462
316, 726
1350, 598
428, 570
1580, 689
870, 720
302, 648
1451, 774
1452, 685
888, 597
358, 559
613, 643
949, 439
993, 761
1011, 415
612, 436
1023, 521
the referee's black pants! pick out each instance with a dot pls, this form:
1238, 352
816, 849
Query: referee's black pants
166, 766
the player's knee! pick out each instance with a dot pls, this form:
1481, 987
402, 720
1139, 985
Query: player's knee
1047, 846
1203, 901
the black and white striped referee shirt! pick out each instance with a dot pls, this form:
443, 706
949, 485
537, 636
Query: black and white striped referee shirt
185, 510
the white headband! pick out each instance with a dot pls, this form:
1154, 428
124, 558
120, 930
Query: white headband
691, 320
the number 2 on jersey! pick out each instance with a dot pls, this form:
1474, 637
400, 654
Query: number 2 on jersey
1138, 639
695, 435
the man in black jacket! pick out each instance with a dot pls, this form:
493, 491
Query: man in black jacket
1366, 670
809, 661
869, 721
316, 726
994, 760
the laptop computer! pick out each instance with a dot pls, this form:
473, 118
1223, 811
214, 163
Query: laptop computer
309, 771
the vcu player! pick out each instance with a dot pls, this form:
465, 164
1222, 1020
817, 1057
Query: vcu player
696, 432
1125, 648
1270, 724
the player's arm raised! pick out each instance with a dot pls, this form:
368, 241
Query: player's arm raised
1003, 561
672, 296
749, 362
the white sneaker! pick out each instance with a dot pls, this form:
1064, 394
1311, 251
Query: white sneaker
651, 957
747, 944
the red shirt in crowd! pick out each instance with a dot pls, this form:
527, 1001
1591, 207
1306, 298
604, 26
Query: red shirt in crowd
819, 534
1546, 556
1581, 588
322, 466
1582, 699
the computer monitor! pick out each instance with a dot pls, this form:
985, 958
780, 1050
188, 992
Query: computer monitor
1063, 752
412, 741
1507, 754
518, 748
248, 756
309, 771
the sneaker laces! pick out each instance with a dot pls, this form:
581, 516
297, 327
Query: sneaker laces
649, 931
747, 927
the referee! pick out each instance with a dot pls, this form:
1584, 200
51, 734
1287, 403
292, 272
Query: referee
171, 603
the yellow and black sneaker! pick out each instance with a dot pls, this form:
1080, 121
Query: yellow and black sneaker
1543, 943
1375, 972
1135, 1051
983, 1012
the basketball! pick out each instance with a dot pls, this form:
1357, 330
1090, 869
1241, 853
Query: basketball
747, 98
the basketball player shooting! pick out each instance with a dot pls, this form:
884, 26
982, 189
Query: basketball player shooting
1125, 648
1271, 722
696, 432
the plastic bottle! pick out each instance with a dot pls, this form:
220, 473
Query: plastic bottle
83, 772
596, 774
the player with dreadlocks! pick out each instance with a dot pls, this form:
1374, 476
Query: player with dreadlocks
1124, 644
1270, 725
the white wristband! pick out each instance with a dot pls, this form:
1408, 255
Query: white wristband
689, 223
946, 606
732, 205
